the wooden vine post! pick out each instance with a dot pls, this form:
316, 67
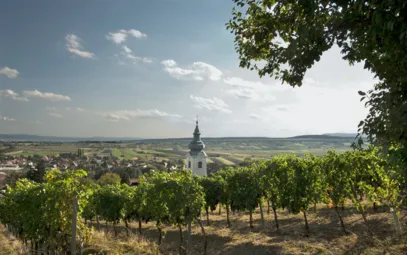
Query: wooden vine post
74, 217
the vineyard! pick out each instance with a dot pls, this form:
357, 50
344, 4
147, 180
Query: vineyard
45, 216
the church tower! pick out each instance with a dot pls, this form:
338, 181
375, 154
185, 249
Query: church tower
196, 157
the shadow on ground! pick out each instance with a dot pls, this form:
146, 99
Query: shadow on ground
326, 235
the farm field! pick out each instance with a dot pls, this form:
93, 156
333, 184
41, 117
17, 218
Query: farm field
228, 151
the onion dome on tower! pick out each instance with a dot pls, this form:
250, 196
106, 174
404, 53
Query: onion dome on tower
196, 157
196, 145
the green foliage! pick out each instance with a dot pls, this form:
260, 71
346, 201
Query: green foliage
109, 179
338, 179
179, 193
225, 191
110, 202
246, 192
127, 173
177, 197
303, 186
317, 179
291, 36
52, 202
212, 189
271, 175
13, 176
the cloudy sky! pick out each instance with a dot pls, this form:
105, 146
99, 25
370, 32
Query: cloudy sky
146, 68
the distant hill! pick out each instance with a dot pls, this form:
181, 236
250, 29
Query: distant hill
38, 138
351, 135
320, 137
329, 136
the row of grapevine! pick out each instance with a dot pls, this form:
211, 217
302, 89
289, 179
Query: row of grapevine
42, 213
297, 184
174, 198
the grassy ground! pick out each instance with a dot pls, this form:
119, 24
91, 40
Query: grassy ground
108, 244
43, 149
225, 161
208, 160
10, 245
326, 236
124, 153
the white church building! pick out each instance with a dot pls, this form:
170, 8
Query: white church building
196, 157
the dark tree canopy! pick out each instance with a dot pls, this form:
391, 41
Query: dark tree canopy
36, 173
373, 32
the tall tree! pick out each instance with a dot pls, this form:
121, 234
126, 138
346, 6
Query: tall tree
109, 179
37, 173
373, 32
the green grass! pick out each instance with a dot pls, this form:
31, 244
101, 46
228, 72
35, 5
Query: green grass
227, 151
14, 153
124, 153
225, 161
161, 154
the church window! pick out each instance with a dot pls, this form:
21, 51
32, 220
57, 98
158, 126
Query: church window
189, 164
200, 164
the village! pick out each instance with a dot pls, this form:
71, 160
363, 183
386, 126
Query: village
95, 165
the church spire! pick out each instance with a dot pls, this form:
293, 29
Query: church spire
196, 132
196, 144
196, 157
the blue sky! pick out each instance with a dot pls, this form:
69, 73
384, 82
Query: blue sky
146, 68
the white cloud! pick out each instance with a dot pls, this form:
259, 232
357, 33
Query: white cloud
8, 93
128, 54
136, 33
7, 118
51, 108
23, 99
121, 35
46, 95
55, 115
74, 46
258, 91
210, 104
257, 117
54, 109
10, 73
132, 114
117, 37
11, 94
309, 80
169, 63
198, 71
333, 110
277, 108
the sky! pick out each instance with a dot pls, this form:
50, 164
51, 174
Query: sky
145, 69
